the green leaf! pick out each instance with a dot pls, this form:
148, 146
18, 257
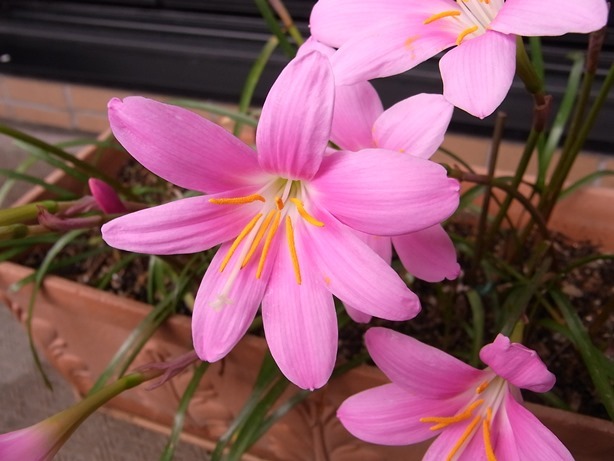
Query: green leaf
173, 440
592, 359
477, 311
273, 24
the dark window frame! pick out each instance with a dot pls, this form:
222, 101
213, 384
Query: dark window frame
204, 49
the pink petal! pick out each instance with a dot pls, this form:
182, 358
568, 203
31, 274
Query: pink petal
311, 44
428, 254
356, 109
355, 273
182, 147
106, 197
224, 309
383, 193
550, 17
185, 226
389, 415
388, 49
522, 436
518, 364
420, 369
335, 21
478, 74
472, 450
357, 315
39, 442
295, 123
300, 322
415, 125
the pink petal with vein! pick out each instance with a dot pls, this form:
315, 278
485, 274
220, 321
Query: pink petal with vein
384, 193
522, 436
223, 310
356, 109
478, 74
184, 226
389, 415
182, 147
415, 125
335, 21
428, 254
420, 369
550, 17
388, 49
300, 322
296, 118
518, 364
355, 273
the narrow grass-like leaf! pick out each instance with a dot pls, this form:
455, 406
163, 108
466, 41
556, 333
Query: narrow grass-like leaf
173, 440
273, 24
63, 194
126, 259
253, 78
130, 348
537, 57
477, 337
85, 167
8, 185
588, 179
592, 359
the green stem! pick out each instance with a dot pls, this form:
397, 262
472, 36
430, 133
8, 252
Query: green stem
516, 180
254, 77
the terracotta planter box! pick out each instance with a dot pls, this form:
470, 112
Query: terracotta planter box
79, 328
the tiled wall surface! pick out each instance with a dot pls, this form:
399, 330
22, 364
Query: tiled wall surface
83, 108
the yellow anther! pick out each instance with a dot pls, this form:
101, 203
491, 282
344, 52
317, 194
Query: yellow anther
482, 387
261, 231
237, 200
463, 438
306, 216
246, 230
279, 202
267, 243
443, 14
292, 247
490, 453
464, 33
445, 421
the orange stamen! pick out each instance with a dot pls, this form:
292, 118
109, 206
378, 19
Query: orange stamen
246, 230
261, 231
267, 243
482, 387
279, 203
443, 14
292, 247
464, 33
306, 216
445, 421
237, 200
490, 453
463, 438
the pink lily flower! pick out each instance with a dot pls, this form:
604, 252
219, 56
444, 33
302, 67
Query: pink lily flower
415, 126
105, 196
475, 414
379, 38
285, 217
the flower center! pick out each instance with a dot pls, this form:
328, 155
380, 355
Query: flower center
483, 405
282, 202
472, 17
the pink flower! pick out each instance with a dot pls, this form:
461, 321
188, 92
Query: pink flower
475, 414
105, 196
379, 38
285, 217
36, 443
414, 126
